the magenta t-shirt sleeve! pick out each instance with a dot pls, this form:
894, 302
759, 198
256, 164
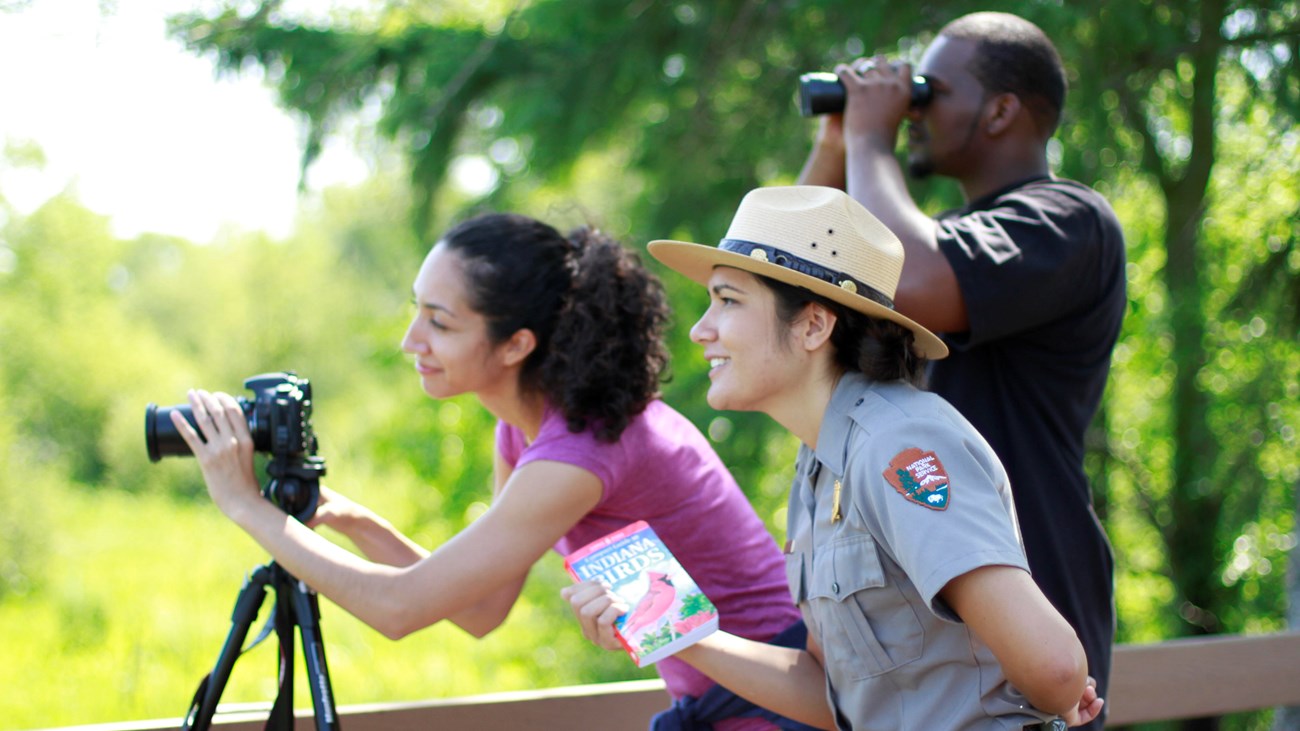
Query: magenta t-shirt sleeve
510, 442
555, 443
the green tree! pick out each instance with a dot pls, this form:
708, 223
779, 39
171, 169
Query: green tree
1194, 97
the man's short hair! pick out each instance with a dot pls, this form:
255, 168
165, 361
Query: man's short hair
1014, 55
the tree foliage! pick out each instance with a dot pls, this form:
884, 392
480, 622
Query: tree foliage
1206, 89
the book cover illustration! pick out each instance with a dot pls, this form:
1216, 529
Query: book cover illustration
667, 610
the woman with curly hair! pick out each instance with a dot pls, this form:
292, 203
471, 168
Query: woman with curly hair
561, 338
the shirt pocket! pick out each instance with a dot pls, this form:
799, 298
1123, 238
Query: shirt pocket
866, 625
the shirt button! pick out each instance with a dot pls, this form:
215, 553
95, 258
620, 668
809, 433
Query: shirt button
835, 586
859, 402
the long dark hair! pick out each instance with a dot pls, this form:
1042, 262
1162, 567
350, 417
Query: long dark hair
879, 349
598, 314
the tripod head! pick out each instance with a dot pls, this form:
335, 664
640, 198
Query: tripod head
282, 412
294, 484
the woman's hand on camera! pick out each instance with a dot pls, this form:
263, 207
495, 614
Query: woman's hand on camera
224, 451
597, 607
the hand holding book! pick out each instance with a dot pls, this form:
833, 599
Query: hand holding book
632, 593
596, 606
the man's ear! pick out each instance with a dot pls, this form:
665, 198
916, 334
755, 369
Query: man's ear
1000, 112
519, 346
815, 326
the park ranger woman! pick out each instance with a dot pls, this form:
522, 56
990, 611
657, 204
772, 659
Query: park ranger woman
903, 550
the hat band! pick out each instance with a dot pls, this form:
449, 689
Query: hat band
773, 255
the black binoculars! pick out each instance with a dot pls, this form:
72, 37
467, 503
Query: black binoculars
821, 92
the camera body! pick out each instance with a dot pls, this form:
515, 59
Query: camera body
278, 416
279, 419
822, 92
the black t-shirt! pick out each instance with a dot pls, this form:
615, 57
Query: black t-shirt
1041, 268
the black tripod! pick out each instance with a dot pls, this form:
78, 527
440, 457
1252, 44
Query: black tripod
294, 487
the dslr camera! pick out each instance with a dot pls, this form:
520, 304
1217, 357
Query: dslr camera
822, 92
279, 419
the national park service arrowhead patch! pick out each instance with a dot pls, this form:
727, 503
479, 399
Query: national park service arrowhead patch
919, 476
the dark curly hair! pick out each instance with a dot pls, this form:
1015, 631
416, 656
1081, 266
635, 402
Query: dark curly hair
1014, 55
597, 313
879, 349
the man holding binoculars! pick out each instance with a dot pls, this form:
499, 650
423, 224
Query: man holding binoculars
1025, 281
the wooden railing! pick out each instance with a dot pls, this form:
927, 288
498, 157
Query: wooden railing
1185, 678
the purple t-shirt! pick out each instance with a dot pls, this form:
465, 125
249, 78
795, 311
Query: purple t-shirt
663, 471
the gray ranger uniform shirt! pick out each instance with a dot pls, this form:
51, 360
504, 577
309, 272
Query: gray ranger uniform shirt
921, 500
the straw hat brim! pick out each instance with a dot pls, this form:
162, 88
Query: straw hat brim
697, 262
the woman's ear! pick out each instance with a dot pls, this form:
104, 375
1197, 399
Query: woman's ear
815, 326
519, 346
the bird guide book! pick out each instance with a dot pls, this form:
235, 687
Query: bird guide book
667, 610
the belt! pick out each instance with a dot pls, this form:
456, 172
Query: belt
1055, 724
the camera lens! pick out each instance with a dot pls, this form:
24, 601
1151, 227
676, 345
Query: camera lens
160, 435
162, 440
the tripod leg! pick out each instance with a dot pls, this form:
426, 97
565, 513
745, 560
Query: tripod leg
306, 610
281, 716
247, 605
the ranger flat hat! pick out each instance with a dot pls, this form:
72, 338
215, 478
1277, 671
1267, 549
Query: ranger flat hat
813, 237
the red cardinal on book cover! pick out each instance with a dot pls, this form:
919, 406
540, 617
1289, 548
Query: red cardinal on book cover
653, 605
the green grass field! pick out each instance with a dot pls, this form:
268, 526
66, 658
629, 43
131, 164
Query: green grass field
136, 602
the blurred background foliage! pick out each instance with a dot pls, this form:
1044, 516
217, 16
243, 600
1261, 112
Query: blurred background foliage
649, 119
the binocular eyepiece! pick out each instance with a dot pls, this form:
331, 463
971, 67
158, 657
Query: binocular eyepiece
822, 92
